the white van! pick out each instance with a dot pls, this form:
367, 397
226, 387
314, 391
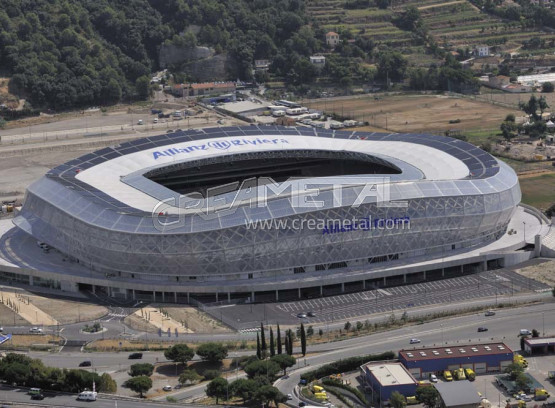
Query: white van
87, 396
525, 332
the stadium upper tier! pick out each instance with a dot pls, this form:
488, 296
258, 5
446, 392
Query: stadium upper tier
183, 204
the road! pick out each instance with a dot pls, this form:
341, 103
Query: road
504, 326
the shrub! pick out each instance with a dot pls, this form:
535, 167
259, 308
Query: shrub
211, 374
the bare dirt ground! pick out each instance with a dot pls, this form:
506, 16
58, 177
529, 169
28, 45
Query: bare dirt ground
413, 113
28, 340
9, 317
27, 310
68, 311
542, 270
139, 324
159, 318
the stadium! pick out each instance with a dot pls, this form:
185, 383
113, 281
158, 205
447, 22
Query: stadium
193, 214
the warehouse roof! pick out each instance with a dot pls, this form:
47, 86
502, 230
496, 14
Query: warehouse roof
540, 341
458, 393
390, 373
455, 351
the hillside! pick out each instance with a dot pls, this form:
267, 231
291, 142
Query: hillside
72, 53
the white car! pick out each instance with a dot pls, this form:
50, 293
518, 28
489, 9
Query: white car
167, 388
433, 378
35, 330
414, 341
289, 397
524, 397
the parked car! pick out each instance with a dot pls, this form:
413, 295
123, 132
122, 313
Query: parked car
433, 378
414, 341
167, 387
523, 397
490, 313
86, 363
311, 314
135, 356
301, 315
35, 330
482, 329
289, 397
447, 375
525, 332
37, 397
302, 404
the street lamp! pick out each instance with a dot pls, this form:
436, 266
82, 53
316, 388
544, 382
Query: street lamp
524, 223
543, 325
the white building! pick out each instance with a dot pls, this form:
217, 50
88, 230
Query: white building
481, 51
319, 61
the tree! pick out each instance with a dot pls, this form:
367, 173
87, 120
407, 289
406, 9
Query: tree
347, 326
140, 384
522, 381
262, 338
190, 376
107, 384
141, 369
427, 395
392, 65
268, 393
279, 347
244, 388
514, 369
510, 118
142, 87
535, 333
508, 129
262, 369
542, 105
272, 345
303, 340
397, 400
258, 351
213, 352
217, 388
530, 107
547, 87
2, 122
310, 331
180, 353
289, 342
284, 361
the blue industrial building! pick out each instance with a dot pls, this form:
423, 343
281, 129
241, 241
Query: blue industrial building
383, 378
482, 358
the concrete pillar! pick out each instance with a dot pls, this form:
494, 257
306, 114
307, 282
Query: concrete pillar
217, 297
405, 278
31, 280
154, 296
321, 290
342, 287
94, 289
252, 296
424, 275
187, 297
299, 293
384, 281
174, 297
442, 272
537, 245
229, 296
485, 266
277, 295
132, 293
364, 284
163, 297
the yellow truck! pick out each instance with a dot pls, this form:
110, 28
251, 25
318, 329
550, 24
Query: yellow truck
317, 388
459, 374
540, 394
321, 395
470, 374
412, 400
517, 358
447, 375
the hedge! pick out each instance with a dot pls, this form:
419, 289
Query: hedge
342, 366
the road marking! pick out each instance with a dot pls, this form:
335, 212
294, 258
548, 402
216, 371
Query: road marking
384, 292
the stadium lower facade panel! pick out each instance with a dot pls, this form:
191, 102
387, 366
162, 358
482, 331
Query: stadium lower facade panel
250, 206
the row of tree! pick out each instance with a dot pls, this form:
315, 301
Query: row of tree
278, 344
22, 370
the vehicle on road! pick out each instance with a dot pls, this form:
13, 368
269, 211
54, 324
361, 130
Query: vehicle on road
302, 404
35, 330
301, 315
414, 341
302, 382
87, 396
433, 378
490, 313
447, 375
289, 397
135, 356
482, 329
311, 314
86, 363
1, 329
167, 387
37, 397
525, 332
140, 122
34, 391
155, 120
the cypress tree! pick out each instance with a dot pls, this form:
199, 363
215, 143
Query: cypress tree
258, 353
279, 350
262, 338
272, 345
303, 340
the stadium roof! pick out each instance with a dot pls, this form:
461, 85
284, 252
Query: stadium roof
455, 351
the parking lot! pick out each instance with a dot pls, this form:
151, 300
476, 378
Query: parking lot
353, 305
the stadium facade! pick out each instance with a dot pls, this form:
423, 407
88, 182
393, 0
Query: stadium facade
196, 212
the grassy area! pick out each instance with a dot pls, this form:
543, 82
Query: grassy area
480, 136
538, 191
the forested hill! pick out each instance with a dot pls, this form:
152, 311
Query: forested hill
72, 53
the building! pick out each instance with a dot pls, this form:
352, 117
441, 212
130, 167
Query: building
262, 65
384, 378
135, 220
539, 345
458, 394
482, 358
499, 81
285, 121
203, 89
319, 61
332, 39
481, 51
